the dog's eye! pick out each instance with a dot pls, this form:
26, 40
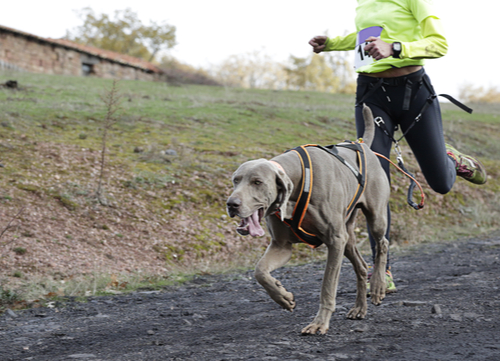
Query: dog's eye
257, 182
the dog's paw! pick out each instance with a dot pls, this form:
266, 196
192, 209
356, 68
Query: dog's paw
377, 290
377, 295
288, 301
321, 322
377, 300
357, 313
284, 298
315, 328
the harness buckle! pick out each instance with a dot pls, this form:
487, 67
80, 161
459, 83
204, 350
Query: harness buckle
379, 121
399, 155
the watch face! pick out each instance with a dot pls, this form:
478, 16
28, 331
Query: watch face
396, 46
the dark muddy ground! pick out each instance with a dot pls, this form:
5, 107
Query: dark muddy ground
447, 308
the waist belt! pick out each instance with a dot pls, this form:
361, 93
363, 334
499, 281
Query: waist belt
408, 81
299, 212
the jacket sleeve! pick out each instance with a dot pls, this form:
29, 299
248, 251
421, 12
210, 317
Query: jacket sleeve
341, 43
433, 44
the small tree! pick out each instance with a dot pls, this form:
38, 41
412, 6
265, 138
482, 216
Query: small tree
112, 100
7, 227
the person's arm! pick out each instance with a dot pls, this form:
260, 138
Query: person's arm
323, 43
341, 43
433, 44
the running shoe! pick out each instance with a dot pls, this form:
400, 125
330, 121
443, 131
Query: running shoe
389, 282
467, 167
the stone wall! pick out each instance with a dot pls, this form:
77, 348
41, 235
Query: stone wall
36, 55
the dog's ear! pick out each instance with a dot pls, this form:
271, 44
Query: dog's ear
285, 189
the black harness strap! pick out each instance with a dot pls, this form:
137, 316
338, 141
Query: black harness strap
332, 149
362, 174
295, 223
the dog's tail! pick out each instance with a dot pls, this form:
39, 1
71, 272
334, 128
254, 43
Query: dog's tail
369, 133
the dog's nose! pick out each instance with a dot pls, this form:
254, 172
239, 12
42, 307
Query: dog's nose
233, 204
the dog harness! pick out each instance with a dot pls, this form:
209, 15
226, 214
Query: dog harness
299, 212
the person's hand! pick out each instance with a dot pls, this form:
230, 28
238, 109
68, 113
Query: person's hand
318, 43
377, 48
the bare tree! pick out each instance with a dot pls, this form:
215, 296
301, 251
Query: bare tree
125, 33
112, 99
9, 225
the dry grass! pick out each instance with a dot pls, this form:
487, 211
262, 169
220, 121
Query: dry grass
162, 214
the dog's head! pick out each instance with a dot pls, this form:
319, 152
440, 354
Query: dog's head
260, 189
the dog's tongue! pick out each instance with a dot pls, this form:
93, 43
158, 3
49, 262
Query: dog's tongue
251, 225
254, 225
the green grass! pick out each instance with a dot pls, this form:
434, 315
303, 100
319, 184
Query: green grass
50, 138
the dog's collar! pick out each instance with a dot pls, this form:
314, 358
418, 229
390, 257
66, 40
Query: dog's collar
278, 165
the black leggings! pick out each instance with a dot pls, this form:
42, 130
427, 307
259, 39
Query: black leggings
425, 138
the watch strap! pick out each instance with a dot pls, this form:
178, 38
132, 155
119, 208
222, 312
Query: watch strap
396, 49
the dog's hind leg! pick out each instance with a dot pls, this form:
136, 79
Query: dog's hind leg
361, 268
378, 226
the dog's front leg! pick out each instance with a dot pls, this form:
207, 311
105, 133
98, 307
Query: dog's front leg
321, 322
277, 254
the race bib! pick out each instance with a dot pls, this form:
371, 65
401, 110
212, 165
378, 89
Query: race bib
360, 57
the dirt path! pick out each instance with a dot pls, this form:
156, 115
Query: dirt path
447, 308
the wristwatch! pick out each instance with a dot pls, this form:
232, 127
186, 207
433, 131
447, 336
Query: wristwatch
396, 49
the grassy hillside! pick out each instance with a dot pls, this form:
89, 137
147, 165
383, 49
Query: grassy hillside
167, 176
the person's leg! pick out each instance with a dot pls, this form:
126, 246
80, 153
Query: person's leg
426, 141
381, 144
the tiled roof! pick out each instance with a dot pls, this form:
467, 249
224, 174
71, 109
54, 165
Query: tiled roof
100, 53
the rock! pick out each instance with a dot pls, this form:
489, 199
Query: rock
340, 356
151, 332
81, 356
414, 303
361, 328
11, 84
456, 317
472, 316
11, 313
437, 310
170, 152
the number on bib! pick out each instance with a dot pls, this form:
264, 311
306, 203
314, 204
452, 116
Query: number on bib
361, 58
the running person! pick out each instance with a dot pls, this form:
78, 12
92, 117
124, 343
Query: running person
391, 41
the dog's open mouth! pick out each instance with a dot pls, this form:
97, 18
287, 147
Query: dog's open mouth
251, 225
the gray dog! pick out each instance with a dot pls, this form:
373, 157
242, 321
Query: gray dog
272, 189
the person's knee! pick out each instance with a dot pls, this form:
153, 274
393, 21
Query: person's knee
440, 187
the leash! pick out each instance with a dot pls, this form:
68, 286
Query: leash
413, 182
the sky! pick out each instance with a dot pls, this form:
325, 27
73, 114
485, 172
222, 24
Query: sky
209, 31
